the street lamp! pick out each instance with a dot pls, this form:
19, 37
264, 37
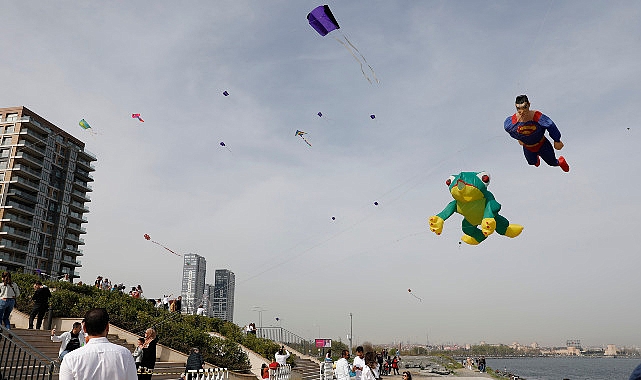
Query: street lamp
260, 310
351, 334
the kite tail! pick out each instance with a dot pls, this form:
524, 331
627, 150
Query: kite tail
417, 297
355, 57
304, 139
364, 60
155, 242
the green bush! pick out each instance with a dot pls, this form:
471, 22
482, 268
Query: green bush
180, 332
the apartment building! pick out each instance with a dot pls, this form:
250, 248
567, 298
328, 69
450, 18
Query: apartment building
223, 295
193, 282
45, 176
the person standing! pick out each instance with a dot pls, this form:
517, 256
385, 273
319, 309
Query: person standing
179, 304
71, 340
148, 353
281, 356
528, 127
8, 294
264, 371
195, 361
99, 359
40, 299
369, 371
359, 362
137, 354
342, 366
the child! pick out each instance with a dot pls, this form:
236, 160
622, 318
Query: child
138, 352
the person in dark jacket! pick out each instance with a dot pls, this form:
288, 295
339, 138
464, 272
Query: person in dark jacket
148, 354
195, 361
40, 304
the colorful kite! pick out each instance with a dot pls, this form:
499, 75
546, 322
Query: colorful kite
414, 295
84, 125
301, 133
323, 22
478, 207
147, 237
137, 116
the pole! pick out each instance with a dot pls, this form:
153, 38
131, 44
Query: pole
351, 334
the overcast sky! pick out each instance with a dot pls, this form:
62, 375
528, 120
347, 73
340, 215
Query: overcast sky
449, 72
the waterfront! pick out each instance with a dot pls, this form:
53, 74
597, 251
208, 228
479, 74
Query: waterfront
573, 368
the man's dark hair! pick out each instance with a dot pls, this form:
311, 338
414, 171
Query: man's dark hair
359, 349
39, 283
521, 99
96, 321
344, 352
76, 324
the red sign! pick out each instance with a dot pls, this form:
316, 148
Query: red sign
323, 343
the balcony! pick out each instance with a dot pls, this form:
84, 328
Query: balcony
20, 207
33, 174
12, 232
23, 195
22, 119
19, 220
25, 156
80, 195
30, 134
74, 239
85, 165
31, 148
83, 186
78, 206
84, 174
13, 246
76, 228
77, 216
87, 154
71, 260
74, 250
29, 184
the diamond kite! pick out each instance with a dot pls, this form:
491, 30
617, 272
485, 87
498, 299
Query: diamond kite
301, 133
137, 116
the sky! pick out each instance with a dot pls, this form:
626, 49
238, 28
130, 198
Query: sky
297, 224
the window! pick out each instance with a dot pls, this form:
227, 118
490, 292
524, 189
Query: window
5, 152
6, 140
12, 116
10, 129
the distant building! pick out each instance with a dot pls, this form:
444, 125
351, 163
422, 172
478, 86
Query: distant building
611, 350
193, 283
44, 182
223, 297
208, 299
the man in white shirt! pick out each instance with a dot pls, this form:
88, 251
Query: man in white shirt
281, 356
99, 359
71, 340
342, 366
359, 362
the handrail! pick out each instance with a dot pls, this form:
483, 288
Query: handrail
20, 360
282, 335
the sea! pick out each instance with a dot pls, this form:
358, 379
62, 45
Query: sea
572, 368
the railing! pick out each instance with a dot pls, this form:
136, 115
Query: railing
208, 374
279, 334
20, 360
282, 372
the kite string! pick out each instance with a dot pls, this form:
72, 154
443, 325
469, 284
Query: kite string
356, 58
155, 242
362, 56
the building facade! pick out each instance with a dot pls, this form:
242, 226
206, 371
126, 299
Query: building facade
193, 283
223, 297
44, 181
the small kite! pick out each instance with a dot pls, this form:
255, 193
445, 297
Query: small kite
333, 218
414, 295
478, 207
372, 116
137, 116
84, 125
225, 146
225, 93
147, 237
320, 114
375, 203
323, 21
301, 133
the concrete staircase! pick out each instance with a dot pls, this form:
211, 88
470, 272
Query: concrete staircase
41, 340
307, 369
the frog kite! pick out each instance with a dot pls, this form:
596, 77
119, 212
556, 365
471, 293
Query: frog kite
478, 207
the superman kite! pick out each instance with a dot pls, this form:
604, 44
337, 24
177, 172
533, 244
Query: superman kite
529, 127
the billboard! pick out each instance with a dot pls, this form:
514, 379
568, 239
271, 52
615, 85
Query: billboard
323, 343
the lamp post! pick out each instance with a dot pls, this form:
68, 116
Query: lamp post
260, 310
351, 334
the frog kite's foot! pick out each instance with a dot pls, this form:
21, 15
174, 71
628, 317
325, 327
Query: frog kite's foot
513, 230
564, 164
469, 240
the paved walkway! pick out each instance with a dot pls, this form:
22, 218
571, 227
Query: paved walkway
462, 372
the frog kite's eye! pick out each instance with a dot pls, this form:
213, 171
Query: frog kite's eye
449, 180
484, 177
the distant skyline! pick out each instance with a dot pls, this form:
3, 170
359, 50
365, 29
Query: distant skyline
297, 224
